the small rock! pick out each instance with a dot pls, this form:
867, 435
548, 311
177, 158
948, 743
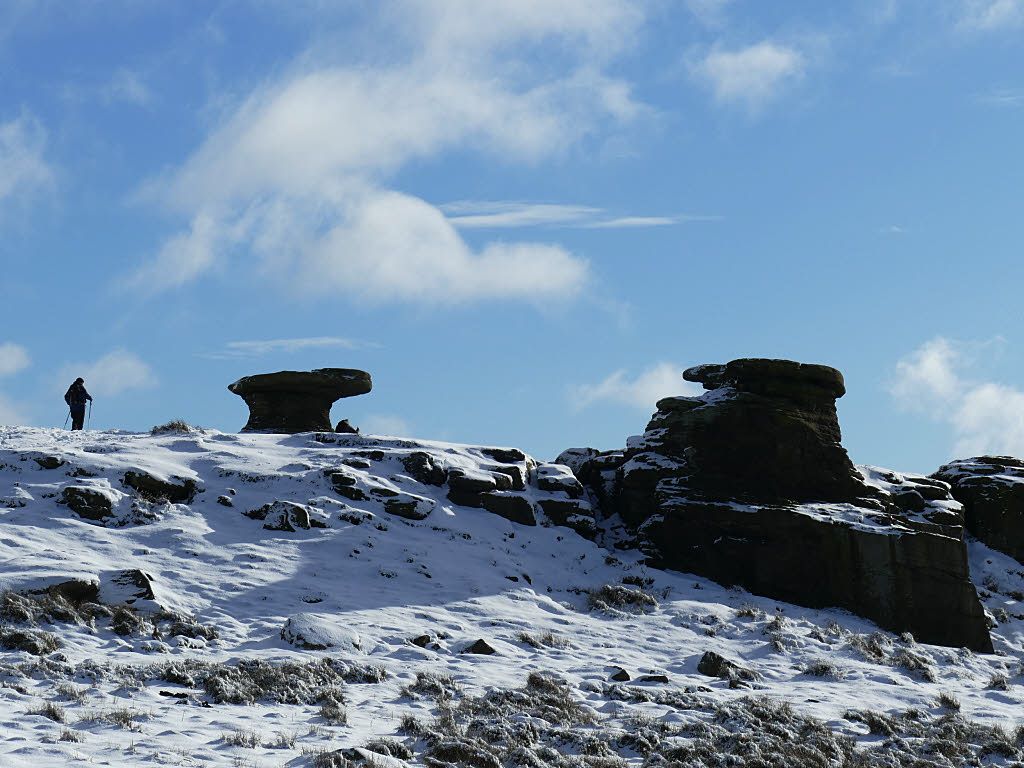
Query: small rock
154, 489
715, 665
421, 641
653, 679
225, 501
620, 676
480, 647
48, 462
409, 506
345, 428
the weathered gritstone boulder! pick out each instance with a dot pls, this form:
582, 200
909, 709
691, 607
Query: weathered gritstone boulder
750, 486
286, 516
86, 502
297, 401
991, 488
177, 490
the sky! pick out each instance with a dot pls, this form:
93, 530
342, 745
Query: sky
524, 218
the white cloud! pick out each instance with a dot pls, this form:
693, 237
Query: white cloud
116, 372
984, 416
127, 86
709, 12
263, 347
13, 358
10, 413
384, 424
505, 214
23, 169
302, 162
990, 15
472, 215
751, 76
643, 391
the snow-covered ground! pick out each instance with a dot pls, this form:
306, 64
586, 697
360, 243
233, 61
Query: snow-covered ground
369, 583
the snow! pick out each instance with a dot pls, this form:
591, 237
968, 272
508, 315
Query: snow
368, 583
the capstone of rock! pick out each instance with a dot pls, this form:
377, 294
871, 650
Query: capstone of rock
297, 401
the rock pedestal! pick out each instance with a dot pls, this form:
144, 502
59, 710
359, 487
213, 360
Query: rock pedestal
297, 401
750, 485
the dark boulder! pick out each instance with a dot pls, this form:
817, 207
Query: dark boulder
151, 488
48, 462
344, 428
749, 485
991, 488
511, 506
481, 647
716, 665
409, 506
424, 468
297, 401
87, 503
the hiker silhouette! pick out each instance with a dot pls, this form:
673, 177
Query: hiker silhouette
76, 398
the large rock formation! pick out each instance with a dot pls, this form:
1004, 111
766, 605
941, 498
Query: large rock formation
297, 401
749, 485
991, 488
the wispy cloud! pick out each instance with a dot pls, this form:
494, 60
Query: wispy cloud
10, 412
127, 86
384, 424
1003, 97
115, 372
751, 76
984, 416
295, 178
263, 347
711, 13
500, 214
13, 358
640, 391
990, 15
23, 167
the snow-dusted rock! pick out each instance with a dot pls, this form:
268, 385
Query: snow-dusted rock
991, 488
317, 632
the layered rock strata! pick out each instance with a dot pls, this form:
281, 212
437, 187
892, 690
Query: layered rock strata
991, 488
750, 485
289, 402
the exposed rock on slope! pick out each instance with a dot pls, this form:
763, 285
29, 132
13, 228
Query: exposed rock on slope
749, 485
991, 488
297, 401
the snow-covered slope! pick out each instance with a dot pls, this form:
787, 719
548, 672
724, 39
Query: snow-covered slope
395, 604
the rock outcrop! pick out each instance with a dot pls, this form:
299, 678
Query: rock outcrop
749, 485
297, 401
991, 488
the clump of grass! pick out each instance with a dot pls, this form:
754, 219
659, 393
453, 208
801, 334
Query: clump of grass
69, 735
72, 692
390, 748
543, 640
325, 758
618, 597
242, 738
252, 680
123, 717
999, 682
822, 668
50, 710
33, 641
432, 685
748, 611
332, 706
177, 426
948, 701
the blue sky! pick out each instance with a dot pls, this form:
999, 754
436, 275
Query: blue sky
524, 218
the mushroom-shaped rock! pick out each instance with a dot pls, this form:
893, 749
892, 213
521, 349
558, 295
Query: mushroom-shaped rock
297, 401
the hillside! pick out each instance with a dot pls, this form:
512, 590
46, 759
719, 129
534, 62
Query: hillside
273, 600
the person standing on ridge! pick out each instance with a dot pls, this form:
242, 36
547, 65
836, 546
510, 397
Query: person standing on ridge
76, 398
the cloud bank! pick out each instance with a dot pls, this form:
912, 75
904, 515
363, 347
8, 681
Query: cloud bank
985, 417
642, 391
295, 177
752, 76
115, 372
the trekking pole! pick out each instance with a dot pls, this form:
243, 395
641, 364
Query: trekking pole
89, 421
66, 419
